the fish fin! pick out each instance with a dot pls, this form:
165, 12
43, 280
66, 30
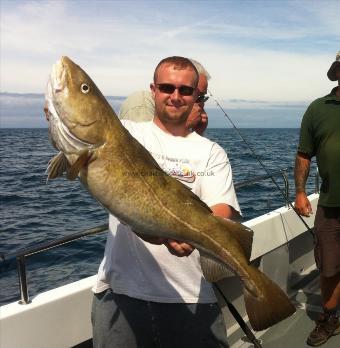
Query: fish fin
57, 166
268, 305
242, 233
73, 170
212, 269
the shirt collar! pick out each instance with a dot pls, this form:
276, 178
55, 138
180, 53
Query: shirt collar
332, 95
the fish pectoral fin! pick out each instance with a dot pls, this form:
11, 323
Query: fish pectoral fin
57, 166
243, 235
212, 269
73, 170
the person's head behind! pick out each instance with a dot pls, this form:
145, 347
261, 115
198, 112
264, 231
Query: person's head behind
334, 71
198, 118
174, 90
202, 71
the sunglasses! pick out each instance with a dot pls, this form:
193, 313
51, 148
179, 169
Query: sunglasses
202, 98
168, 88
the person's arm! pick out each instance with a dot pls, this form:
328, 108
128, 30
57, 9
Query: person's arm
225, 211
301, 172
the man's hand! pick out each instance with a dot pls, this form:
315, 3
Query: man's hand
178, 248
198, 119
201, 126
302, 204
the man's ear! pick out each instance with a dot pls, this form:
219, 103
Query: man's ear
153, 89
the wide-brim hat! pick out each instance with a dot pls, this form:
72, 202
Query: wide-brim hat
332, 70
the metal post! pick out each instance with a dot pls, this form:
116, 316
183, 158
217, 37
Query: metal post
22, 280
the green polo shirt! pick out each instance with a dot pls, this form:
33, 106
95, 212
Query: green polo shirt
320, 137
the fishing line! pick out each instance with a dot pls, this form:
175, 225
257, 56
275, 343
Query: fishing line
260, 161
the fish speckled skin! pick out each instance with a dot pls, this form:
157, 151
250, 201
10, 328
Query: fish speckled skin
128, 182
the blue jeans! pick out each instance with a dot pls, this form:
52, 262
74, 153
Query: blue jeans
120, 321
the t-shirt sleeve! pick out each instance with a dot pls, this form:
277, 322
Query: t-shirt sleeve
306, 142
217, 182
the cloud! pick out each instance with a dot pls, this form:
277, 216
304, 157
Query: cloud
261, 51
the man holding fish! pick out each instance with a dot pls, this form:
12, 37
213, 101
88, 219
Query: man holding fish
156, 298
145, 296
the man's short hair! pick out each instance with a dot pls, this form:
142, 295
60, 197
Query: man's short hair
179, 63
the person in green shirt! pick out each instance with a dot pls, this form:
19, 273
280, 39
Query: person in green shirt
320, 137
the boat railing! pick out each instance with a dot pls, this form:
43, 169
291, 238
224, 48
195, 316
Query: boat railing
21, 254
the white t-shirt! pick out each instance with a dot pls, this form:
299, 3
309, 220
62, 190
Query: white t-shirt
149, 272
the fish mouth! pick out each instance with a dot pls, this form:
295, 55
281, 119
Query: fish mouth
61, 136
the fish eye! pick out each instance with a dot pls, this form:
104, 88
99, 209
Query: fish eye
85, 88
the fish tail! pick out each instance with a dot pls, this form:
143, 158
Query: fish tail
266, 303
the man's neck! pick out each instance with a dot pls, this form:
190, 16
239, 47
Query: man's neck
171, 128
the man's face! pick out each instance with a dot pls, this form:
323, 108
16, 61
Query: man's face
174, 107
198, 111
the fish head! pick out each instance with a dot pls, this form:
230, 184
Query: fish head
79, 115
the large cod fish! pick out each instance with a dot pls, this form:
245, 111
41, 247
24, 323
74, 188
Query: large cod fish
95, 146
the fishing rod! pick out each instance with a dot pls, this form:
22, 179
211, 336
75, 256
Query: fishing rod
239, 319
260, 161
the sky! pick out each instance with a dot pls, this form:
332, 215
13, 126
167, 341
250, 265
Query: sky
268, 59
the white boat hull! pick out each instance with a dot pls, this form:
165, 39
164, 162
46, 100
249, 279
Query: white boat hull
62, 317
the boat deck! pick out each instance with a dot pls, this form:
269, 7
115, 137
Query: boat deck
293, 331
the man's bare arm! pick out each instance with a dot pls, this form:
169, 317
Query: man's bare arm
301, 171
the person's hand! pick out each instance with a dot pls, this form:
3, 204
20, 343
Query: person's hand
198, 119
302, 204
202, 125
178, 248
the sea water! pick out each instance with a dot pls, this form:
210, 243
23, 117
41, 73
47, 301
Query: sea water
35, 211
